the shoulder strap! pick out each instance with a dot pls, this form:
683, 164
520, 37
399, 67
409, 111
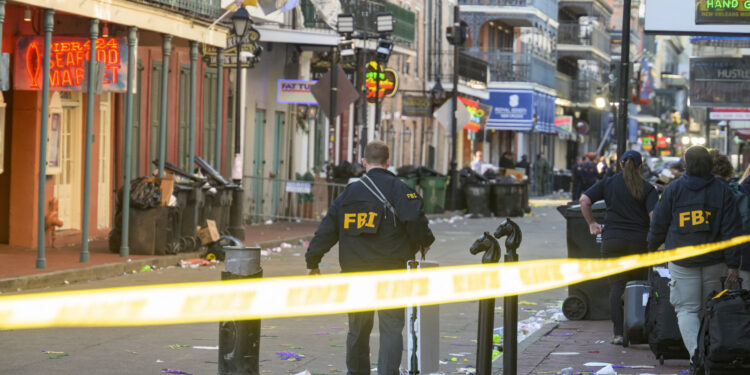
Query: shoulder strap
373, 188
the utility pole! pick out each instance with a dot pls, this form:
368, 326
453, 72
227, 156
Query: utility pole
334, 98
622, 126
457, 41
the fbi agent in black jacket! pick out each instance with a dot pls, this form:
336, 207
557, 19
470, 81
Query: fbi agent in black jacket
379, 224
693, 210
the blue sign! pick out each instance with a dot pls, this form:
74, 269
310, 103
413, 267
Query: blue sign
511, 109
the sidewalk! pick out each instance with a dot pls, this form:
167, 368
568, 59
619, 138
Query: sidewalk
18, 266
575, 343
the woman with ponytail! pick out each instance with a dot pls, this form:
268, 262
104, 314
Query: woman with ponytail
630, 200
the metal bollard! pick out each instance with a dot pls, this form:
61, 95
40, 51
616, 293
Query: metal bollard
236, 212
510, 315
239, 341
491, 248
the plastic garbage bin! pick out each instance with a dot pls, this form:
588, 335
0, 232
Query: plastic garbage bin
508, 199
433, 193
239, 340
588, 300
411, 181
477, 199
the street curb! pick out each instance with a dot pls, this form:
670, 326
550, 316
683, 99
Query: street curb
103, 271
497, 364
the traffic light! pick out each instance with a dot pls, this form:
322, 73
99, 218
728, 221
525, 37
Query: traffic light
383, 52
456, 35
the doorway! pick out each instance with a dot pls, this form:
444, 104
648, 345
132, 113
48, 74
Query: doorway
68, 181
258, 162
276, 189
105, 159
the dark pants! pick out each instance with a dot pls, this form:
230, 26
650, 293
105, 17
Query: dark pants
391, 327
615, 248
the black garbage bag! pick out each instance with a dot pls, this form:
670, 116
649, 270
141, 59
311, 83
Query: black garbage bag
408, 171
490, 174
358, 170
343, 171
429, 172
144, 194
469, 176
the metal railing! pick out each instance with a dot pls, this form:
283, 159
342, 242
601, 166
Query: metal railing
206, 9
404, 28
548, 7
280, 199
518, 67
584, 35
564, 85
584, 90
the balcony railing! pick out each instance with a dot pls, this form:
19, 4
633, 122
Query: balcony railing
471, 69
508, 66
584, 90
364, 14
584, 35
548, 7
564, 86
205, 9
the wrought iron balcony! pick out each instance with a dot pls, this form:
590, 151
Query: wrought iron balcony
203, 9
583, 35
585, 90
564, 86
548, 7
506, 66
364, 14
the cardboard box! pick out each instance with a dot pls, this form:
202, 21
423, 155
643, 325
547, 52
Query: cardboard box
209, 233
166, 185
512, 172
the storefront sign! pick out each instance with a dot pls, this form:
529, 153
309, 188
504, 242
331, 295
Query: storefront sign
511, 109
720, 82
388, 83
69, 63
295, 91
416, 106
564, 123
722, 12
475, 116
298, 187
729, 114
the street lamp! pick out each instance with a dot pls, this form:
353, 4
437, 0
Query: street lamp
241, 20
600, 102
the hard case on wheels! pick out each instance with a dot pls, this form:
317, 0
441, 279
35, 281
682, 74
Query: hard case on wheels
724, 337
664, 336
634, 323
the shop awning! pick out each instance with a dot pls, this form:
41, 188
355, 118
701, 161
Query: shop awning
645, 119
744, 134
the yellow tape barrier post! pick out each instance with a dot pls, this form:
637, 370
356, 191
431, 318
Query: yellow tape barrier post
300, 296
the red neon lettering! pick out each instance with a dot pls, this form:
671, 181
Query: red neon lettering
67, 80
101, 55
59, 63
113, 69
79, 57
33, 63
65, 47
54, 78
113, 57
79, 74
71, 59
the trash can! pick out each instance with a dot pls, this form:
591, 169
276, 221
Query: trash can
433, 193
562, 182
588, 300
507, 199
239, 341
218, 199
477, 199
411, 181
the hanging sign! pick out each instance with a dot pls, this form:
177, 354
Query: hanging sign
722, 12
295, 91
69, 63
388, 82
477, 114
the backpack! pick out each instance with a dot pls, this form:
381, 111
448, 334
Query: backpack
743, 205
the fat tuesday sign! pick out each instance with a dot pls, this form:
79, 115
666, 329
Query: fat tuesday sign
69, 63
722, 12
294, 91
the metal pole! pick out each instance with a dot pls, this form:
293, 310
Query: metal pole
219, 105
236, 210
127, 147
166, 51
377, 99
622, 126
485, 335
453, 203
334, 98
510, 325
91, 97
363, 136
49, 16
191, 118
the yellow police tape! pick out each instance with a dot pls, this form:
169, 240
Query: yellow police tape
306, 295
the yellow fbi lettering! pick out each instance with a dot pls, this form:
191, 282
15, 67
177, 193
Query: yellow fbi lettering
361, 219
317, 295
695, 217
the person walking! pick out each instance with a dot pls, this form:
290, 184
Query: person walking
476, 165
541, 173
630, 200
693, 210
379, 224
507, 160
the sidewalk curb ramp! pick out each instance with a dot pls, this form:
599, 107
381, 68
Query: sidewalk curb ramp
497, 364
103, 271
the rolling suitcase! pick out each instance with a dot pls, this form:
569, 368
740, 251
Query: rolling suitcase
724, 337
664, 336
634, 324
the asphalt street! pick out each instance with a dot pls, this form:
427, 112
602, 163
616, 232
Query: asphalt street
193, 348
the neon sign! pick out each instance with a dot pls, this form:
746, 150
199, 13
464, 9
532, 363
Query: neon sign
388, 82
477, 112
69, 63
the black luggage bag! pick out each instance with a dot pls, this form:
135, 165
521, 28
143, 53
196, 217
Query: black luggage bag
634, 324
724, 337
664, 336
